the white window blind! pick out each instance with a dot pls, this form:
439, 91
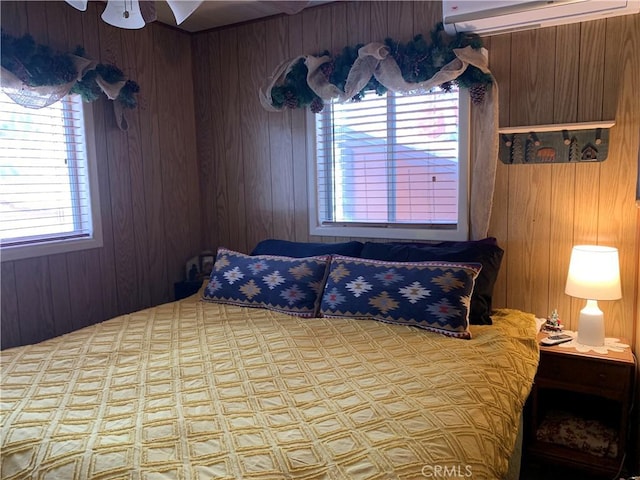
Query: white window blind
391, 162
46, 201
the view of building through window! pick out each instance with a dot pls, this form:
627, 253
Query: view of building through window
389, 159
45, 194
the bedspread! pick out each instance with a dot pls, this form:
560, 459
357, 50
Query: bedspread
195, 390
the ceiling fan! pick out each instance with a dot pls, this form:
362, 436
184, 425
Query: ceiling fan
134, 14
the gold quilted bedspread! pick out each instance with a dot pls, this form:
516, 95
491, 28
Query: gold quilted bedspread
199, 391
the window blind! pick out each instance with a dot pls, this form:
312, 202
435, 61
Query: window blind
389, 160
44, 176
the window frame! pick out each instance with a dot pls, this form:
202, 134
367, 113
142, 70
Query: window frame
460, 232
67, 245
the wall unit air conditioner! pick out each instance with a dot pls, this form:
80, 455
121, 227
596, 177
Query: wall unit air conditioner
493, 17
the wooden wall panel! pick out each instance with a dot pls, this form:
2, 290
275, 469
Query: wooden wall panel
340, 24
254, 121
280, 145
47, 296
233, 188
359, 17
563, 175
17, 13
617, 210
119, 184
84, 287
85, 296
186, 144
579, 72
9, 330
500, 64
33, 294
379, 14
107, 266
298, 144
219, 93
201, 46
399, 18
210, 101
423, 15
530, 187
148, 121
176, 119
60, 294
135, 161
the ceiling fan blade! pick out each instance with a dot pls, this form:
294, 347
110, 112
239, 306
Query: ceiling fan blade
148, 10
79, 4
183, 8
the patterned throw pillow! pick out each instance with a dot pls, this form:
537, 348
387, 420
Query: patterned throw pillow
485, 252
430, 295
284, 284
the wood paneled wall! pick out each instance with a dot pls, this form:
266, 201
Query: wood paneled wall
254, 172
148, 182
573, 73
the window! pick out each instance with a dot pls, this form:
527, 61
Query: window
48, 191
392, 166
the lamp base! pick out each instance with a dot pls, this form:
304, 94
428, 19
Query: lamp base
591, 325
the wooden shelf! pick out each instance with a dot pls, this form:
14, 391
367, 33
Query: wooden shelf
555, 143
557, 127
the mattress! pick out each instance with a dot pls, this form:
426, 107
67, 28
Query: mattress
196, 390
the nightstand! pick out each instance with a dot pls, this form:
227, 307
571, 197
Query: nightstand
186, 288
580, 406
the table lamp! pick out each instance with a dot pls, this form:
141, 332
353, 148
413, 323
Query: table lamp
594, 274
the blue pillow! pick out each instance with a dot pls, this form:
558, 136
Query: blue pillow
284, 284
305, 249
430, 295
485, 252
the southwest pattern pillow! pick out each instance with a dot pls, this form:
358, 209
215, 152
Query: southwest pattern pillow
430, 295
284, 284
485, 252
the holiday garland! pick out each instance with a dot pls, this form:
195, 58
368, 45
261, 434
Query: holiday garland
418, 61
38, 65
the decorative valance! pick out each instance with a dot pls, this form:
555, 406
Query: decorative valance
312, 80
35, 76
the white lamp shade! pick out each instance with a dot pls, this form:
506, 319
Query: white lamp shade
123, 14
594, 273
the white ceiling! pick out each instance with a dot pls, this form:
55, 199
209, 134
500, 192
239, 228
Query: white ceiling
218, 13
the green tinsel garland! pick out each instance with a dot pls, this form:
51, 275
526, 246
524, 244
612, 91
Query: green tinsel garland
37, 65
417, 59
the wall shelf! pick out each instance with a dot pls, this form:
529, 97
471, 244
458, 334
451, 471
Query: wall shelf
557, 127
555, 143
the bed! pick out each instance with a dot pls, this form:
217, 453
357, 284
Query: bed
203, 389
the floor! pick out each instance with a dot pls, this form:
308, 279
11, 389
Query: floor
534, 471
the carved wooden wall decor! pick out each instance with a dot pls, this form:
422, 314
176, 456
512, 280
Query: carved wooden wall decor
561, 143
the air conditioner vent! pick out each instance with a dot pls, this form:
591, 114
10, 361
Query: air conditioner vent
493, 17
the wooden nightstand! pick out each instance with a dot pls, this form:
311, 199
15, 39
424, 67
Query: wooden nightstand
582, 393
